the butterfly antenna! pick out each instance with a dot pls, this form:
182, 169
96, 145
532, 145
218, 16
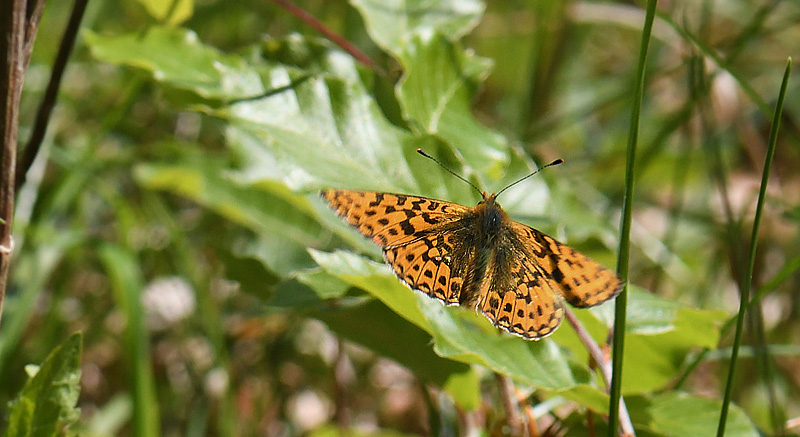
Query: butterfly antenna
556, 162
422, 152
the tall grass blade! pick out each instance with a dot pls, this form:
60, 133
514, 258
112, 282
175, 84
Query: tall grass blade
745, 297
127, 284
620, 310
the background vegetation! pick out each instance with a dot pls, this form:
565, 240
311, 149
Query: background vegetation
172, 216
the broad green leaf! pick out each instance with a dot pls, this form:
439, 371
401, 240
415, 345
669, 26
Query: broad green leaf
656, 359
264, 207
325, 285
170, 11
176, 57
392, 23
679, 414
460, 335
590, 396
307, 289
46, 404
661, 333
436, 92
468, 337
374, 278
376, 327
323, 132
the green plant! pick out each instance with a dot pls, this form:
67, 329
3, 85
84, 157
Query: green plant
197, 164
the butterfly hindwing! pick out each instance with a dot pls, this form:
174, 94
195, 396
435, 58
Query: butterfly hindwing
517, 296
434, 264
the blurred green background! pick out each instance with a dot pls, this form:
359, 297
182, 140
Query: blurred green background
172, 214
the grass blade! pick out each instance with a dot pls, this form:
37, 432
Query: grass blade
745, 297
620, 310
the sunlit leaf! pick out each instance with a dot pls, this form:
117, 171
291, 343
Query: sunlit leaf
46, 405
392, 23
170, 11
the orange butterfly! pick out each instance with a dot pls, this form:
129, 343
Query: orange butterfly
514, 274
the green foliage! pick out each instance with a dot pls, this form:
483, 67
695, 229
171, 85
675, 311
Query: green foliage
46, 404
196, 151
678, 414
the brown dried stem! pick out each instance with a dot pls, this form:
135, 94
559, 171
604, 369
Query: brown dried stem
12, 72
510, 404
19, 21
331, 35
605, 368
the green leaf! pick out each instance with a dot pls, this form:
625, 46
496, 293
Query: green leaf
176, 57
323, 132
172, 11
660, 335
371, 276
680, 414
436, 93
266, 207
376, 327
391, 24
325, 285
46, 404
663, 334
458, 334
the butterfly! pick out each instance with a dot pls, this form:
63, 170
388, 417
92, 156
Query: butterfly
477, 257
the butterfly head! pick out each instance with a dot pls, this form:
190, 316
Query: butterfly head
488, 199
491, 214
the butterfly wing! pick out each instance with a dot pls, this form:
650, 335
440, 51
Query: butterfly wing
526, 272
582, 281
515, 281
392, 219
517, 296
435, 264
418, 236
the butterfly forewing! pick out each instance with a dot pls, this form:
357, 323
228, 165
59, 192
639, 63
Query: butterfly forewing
391, 219
582, 281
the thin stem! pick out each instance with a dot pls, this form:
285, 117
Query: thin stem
533, 428
603, 364
331, 35
620, 310
510, 404
745, 295
51, 93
